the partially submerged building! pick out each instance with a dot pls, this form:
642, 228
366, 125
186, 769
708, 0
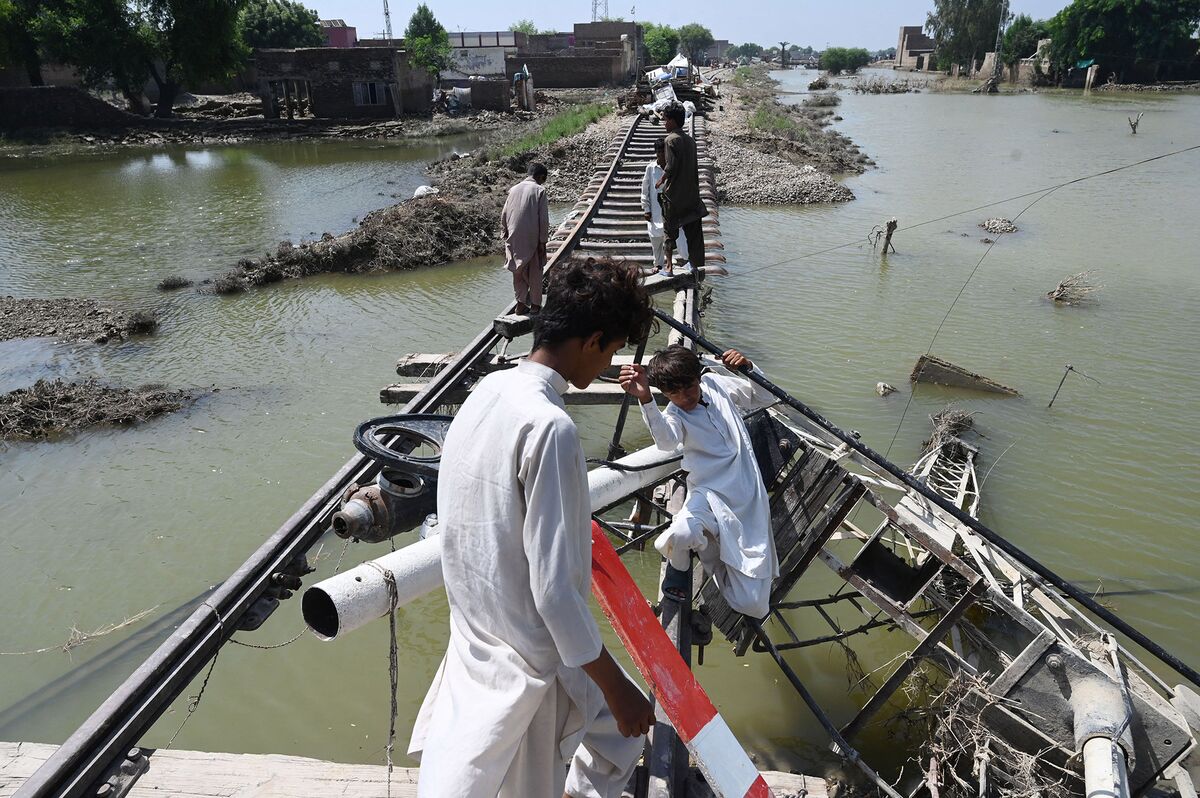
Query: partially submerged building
342, 83
915, 50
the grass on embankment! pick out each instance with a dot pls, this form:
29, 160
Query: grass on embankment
561, 125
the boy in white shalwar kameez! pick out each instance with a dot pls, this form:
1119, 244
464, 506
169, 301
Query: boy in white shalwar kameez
526, 685
726, 518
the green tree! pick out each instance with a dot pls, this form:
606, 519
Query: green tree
21, 26
963, 30
1137, 39
189, 42
750, 50
106, 41
662, 42
427, 42
1021, 38
694, 39
279, 23
844, 59
525, 26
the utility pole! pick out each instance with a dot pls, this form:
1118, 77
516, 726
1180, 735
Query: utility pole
995, 79
387, 21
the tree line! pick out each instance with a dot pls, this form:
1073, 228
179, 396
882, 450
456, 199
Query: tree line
1135, 39
174, 43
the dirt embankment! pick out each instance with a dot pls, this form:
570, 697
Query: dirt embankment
51, 407
770, 153
70, 319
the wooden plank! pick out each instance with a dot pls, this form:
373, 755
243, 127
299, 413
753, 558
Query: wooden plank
427, 365
942, 372
195, 774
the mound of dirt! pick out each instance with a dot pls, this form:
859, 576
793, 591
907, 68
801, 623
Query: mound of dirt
70, 320
427, 231
49, 407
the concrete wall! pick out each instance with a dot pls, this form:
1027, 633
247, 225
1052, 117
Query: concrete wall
58, 107
491, 95
546, 43
52, 74
501, 38
569, 71
486, 61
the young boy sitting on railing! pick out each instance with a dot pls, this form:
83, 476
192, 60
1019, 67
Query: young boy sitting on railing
726, 518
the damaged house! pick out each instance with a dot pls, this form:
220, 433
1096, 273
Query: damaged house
341, 83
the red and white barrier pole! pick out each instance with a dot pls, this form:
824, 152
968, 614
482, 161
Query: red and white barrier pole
721, 758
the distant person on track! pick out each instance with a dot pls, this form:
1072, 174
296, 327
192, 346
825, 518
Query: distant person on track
680, 183
726, 518
652, 208
525, 224
527, 687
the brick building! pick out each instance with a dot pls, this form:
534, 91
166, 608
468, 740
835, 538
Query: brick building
915, 50
342, 83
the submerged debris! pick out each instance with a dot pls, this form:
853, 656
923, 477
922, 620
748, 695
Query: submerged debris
999, 226
1075, 289
70, 319
53, 406
961, 755
173, 282
933, 369
878, 85
883, 389
422, 232
948, 423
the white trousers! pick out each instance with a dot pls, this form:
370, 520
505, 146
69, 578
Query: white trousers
600, 767
681, 250
694, 528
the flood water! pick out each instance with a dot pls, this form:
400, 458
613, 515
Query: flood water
1103, 487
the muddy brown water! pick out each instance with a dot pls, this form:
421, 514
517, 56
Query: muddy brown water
1102, 488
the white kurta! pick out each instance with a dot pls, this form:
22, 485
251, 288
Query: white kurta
726, 496
510, 704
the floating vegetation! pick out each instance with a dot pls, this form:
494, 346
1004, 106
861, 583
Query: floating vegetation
1074, 290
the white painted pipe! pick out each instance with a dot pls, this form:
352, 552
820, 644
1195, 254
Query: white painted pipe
1104, 770
344, 602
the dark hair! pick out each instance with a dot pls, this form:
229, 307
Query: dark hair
594, 295
660, 145
673, 368
536, 170
675, 111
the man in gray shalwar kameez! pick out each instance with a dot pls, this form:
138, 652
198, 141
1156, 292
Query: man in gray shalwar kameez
525, 224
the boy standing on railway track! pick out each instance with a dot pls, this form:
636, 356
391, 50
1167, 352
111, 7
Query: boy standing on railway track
726, 518
526, 685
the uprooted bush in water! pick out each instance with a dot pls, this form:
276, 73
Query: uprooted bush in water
426, 231
54, 406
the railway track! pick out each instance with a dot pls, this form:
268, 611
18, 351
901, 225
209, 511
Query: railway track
606, 221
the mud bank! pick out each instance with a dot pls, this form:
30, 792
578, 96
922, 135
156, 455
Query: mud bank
70, 320
52, 407
427, 231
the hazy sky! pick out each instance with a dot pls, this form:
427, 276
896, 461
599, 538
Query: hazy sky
873, 24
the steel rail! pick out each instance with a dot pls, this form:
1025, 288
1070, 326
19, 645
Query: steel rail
129, 712
997, 540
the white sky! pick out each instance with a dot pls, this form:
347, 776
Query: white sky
874, 24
